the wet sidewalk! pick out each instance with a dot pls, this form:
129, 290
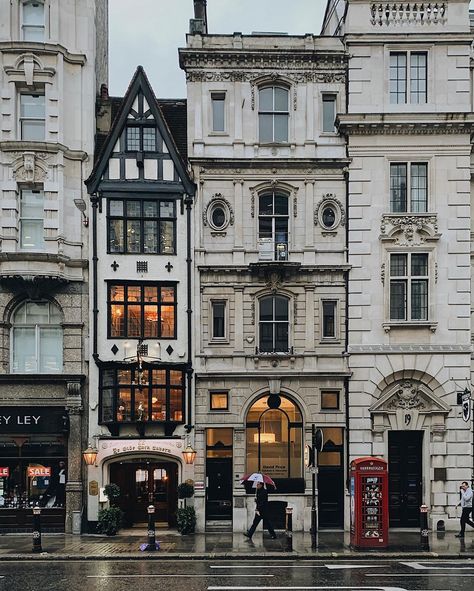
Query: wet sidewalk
126, 545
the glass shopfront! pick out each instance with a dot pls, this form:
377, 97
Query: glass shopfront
33, 466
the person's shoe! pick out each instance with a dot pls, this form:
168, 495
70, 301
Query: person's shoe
459, 536
247, 535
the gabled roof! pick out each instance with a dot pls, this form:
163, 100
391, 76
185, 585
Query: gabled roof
174, 114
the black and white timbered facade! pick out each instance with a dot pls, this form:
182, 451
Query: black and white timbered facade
140, 402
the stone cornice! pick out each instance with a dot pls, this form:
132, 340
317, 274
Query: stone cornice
42, 49
42, 257
264, 166
44, 147
405, 123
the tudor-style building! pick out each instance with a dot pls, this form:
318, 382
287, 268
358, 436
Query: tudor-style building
271, 269
141, 370
53, 58
409, 125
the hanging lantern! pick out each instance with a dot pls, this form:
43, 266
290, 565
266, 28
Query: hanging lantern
90, 455
189, 454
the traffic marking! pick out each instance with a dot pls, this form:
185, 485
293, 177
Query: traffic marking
420, 566
275, 566
161, 575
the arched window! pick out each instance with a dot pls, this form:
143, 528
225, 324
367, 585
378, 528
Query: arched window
273, 324
273, 226
32, 20
37, 338
273, 114
275, 438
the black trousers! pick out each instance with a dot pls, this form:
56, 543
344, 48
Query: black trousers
266, 522
466, 512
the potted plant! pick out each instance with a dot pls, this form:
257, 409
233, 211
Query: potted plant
185, 491
186, 520
110, 519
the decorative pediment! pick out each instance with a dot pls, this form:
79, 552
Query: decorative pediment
409, 229
28, 69
30, 167
405, 407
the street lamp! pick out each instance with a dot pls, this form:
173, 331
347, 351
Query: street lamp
90, 455
189, 454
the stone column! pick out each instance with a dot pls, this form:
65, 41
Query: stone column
74, 484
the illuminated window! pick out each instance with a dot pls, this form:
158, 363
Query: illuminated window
144, 311
219, 400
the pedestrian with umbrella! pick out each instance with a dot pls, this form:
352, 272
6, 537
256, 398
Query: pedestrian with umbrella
261, 502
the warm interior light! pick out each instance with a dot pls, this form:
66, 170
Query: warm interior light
264, 438
189, 454
90, 455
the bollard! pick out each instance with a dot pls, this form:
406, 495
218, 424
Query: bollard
151, 545
424, 533
37, 529
289, 529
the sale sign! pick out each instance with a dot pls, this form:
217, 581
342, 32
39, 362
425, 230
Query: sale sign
34, 471
4, 472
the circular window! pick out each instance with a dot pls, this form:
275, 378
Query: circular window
218, 217
329, 217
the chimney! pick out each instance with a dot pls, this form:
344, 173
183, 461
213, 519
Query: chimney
198, 24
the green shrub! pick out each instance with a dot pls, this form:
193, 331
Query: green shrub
110, 520
185, 490
112, 492
186, 520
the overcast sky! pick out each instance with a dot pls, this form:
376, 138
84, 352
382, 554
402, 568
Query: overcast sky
149, 32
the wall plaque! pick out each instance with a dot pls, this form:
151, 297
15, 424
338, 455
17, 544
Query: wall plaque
93, 488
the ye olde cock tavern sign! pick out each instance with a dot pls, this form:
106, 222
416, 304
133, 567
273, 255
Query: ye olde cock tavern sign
34, 419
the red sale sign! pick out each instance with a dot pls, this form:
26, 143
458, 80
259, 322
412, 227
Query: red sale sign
4, 472
34, 471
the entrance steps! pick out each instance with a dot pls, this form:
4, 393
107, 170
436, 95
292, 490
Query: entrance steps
219, 525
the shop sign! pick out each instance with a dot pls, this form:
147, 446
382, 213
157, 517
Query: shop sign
4, 472
34, 471
93, 488
32, 419
117, 446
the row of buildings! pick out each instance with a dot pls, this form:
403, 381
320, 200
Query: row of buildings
289, 245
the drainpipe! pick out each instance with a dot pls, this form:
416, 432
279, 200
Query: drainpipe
189, 312
95, 259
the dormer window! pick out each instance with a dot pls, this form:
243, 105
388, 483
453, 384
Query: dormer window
32, 24
141, 139
273, 114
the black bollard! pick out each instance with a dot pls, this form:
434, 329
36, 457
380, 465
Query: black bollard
37, 529
424, 532
289, 529
151, 545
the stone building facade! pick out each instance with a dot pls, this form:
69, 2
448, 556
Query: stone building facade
52, 63
408, 125
270, 269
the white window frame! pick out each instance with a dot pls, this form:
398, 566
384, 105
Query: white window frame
409, 185
224, 339
37, 327
274, 113
213, 94
24, 26
334, 96
37, 119
392, 49
22, 218
269, 248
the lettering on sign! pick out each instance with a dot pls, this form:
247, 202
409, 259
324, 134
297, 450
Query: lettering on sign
4, 472
34, 471
19, 420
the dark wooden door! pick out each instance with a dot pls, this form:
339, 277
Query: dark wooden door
405, 477
331, 488
219, 488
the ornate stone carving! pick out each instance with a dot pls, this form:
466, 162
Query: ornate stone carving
382, 273
294, 78
409, 229
218, 199
407, 396
274, 282
29, 167
330, 199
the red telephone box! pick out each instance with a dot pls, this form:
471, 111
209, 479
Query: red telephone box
369, 503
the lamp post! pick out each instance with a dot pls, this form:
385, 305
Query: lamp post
90, 455
317, 443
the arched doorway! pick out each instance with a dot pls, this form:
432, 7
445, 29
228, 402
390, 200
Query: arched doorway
143, 482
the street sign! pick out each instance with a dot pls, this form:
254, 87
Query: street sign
466, 406
308, 456
318, 440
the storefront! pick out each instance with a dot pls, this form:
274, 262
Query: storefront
33, 466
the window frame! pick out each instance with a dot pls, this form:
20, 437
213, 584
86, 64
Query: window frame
37, 326
274, 323
329, 409
277, 254
407, 79
225, 337
116, 386
111, 283
274, 113
142, 219
407, 279
335, 303
141, 138
218, 96
409, 187
324, 100
215, 409
21, 118
24, 26
37, 247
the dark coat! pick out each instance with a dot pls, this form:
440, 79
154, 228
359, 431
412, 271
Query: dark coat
261, 499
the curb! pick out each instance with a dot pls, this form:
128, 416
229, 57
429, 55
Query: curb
46, 556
